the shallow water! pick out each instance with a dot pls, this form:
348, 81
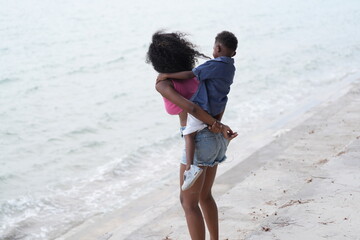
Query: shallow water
82, 130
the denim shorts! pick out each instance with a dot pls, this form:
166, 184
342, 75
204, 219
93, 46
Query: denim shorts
210, 148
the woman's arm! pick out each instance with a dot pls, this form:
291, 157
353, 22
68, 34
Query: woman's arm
166, 90
220, 115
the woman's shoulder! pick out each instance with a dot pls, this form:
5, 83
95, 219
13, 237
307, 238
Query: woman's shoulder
163, 85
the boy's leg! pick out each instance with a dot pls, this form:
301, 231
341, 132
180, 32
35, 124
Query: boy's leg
189, 149
192, 171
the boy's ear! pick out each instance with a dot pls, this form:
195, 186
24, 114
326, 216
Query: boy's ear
234, 53
218, 48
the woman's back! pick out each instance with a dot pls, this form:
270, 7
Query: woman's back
185, 88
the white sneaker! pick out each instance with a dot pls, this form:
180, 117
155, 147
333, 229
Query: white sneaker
190, 176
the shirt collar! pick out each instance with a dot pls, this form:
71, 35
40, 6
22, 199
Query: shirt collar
224, 59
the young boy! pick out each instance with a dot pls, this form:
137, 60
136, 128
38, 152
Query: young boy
215, 76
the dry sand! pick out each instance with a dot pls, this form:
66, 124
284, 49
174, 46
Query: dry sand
297, 179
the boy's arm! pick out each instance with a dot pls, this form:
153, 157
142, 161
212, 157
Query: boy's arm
177, 75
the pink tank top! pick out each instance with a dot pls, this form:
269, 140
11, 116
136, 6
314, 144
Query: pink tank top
185, 88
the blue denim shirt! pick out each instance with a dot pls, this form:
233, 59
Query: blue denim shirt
215, 76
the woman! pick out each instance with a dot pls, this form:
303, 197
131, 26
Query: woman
168, 53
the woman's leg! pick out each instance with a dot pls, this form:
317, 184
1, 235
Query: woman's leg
190, 203
208, 204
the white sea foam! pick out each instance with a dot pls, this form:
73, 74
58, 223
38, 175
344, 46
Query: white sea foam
82, 130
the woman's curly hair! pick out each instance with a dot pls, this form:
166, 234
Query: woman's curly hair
172, 52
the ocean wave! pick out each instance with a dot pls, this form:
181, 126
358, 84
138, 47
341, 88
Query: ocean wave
120, 95
93, 144
116, 60
8, 80
32, 90
27, 217
86, 130
95, 67
76, 199
4, 178
3, 50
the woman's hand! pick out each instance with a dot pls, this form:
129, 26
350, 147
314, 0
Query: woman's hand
228, 133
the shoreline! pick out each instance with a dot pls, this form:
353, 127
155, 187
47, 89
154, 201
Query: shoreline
158, 215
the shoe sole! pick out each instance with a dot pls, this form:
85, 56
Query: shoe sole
196, 177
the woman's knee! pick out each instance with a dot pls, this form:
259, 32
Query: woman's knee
206, 198
188, 204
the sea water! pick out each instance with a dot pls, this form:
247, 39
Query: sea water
82, 129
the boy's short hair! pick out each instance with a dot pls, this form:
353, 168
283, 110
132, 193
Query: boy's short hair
228, 39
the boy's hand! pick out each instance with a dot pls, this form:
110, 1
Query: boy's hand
228, 133
161, 77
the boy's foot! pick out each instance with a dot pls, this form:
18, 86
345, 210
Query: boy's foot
190, 176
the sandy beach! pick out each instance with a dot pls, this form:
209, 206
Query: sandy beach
296, 179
